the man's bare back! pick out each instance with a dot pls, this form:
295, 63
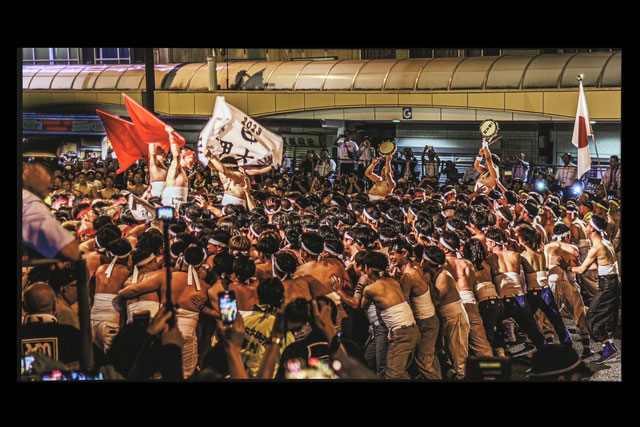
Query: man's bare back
462, 271
113, 284
318, 275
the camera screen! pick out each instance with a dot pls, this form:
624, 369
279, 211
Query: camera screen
165, 212
228, 308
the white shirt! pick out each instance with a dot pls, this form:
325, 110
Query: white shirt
352, 148
567, 175
325, 167
368, 154
342, 149
40, 229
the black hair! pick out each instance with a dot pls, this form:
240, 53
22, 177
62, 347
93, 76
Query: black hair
106, 234
101, 221
511, 196
150, 241
372, 211
271, 292
600, 221
178, 247
424, 226
313, 242
376, 261
268, 245
475, 252
178, 227
286, 262
119, 246
292, 235
456, 224
560, 228
139, 254
298, 311
506, 212
244, 267
335, 245
451, 239
223, 263
532, 209
435, 254
194, 255
479, 219
328, 232
496, 234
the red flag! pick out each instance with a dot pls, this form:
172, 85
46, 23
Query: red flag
124, 140
149, 127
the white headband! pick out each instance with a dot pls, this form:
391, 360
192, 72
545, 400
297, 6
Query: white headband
491, 240
330, 251
140, 264
192, 276
424, 255
215, 242
372, 219
270, 212
113, 262
307, 249
448, 247
253, 231
450, 227
593, 224
561, 236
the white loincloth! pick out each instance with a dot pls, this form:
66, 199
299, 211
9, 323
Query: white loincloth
174, 196
397, 316
538, 279
186, 321
157, 187
467, 297
106, 308
132, 308
229, 199
422, 306
509, 281
374, 197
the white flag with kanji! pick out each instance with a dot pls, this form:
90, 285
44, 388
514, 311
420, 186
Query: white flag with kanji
581, 132
230, 132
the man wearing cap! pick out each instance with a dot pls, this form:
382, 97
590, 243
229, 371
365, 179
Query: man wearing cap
567, 175
41, 232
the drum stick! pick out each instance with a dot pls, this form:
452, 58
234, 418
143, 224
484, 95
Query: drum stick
498, 138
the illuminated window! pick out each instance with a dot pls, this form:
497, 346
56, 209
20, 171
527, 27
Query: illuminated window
113, 55
50, 55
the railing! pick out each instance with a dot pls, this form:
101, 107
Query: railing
86, 349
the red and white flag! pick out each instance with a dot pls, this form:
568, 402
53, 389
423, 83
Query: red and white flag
581, 132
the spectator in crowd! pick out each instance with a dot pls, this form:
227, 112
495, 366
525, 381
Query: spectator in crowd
611, 177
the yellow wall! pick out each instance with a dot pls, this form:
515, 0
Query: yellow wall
604, 104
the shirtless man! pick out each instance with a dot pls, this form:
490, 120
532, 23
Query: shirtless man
157, 170
85, 188
184, 288
108, 189
589, 279
285, 265
602, 317
177, 185
490, 173
244, 284
318, 273
395, 311
454, 321
506, 267
233, 179
382, 186
145, 265
563, 285
464, 274
539, 293
416, 290
490, 305
106, 312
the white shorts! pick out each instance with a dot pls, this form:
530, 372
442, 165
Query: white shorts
157, 187
174, 196
186, 321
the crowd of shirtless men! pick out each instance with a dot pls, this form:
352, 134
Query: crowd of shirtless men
438, 276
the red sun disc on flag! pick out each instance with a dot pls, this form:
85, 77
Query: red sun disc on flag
583, 140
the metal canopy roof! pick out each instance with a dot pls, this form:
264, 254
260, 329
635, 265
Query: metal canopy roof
600, 69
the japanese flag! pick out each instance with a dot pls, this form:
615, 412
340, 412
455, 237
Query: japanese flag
581, 132
230, 132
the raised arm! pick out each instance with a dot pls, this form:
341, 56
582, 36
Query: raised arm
259, 171
369, 172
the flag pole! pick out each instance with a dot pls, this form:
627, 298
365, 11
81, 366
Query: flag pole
598, 157
593, 137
